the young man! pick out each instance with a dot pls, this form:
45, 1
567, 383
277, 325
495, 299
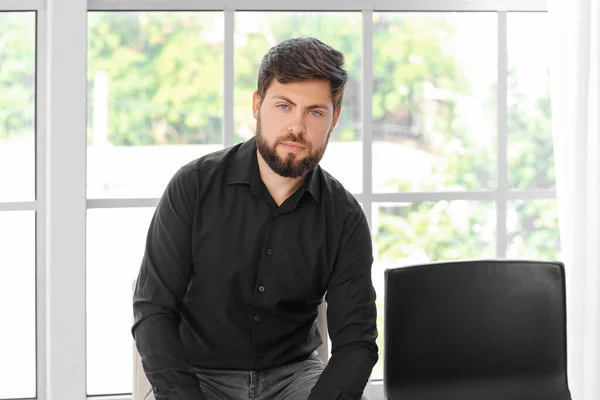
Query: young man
244, 245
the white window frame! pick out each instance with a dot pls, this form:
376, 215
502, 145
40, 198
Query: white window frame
61, 203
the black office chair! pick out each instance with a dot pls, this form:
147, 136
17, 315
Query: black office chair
476, 330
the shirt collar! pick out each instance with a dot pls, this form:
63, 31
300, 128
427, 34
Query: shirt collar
244, 169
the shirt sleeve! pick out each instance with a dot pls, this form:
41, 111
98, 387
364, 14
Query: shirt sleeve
351, 317
160, 288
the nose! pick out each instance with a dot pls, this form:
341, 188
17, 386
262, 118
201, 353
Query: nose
295, 130
296, 126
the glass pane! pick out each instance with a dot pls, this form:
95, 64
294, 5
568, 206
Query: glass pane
155, 96
434, 101
17, 304
530, 150
413, 233
17, 106
257, 32
533, 231
115, 246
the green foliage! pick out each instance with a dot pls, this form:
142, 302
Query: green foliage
531, 157
165, 76
440, 230
17, 74
165, 86
414, 52
409, 51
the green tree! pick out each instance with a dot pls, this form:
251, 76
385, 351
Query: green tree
413, 52
428, 228
531, 166
531, 155
165, 75
17, 74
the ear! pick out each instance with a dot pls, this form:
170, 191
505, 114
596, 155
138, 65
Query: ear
336, 116
256, 100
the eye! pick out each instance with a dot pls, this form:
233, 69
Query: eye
283, 106
316, 113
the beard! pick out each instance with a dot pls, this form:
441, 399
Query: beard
290, 166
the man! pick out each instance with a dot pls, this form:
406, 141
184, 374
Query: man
244, 245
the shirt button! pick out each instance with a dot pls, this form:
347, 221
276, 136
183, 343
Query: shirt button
256, 318
269, 252
261, 288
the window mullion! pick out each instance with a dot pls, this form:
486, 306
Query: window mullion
374, 389
316, 5
367, 113
64, 283
502, 160
228, 79
41, 85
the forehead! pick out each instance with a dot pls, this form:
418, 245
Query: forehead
304, 92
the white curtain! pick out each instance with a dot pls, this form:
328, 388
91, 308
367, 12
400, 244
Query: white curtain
575, 70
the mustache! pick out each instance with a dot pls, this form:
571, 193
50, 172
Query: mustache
294, 139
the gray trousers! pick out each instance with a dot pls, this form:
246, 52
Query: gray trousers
288, 382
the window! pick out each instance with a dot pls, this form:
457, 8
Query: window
444, 139
17, 204
155, 101
465, 168
155, 98
438, 192
532, 224
434, 101
17, 106
115, 245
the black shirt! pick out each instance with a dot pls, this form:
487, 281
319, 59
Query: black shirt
229, 280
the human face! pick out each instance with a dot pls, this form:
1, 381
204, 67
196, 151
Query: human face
293, 125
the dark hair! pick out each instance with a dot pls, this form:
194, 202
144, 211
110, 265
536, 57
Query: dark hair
302, 59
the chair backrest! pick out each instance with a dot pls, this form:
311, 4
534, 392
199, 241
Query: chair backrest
476, 330
141, 387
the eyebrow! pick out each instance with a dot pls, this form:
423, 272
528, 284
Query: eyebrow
312, 106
